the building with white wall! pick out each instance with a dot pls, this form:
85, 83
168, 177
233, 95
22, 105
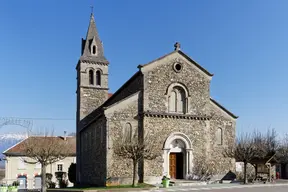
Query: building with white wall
28, 175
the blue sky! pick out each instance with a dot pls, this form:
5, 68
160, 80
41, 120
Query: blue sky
244, 43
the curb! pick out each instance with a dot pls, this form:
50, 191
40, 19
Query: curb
191, 184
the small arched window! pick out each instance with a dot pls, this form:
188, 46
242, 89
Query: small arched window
127, 136
219, 136
172, 101
94, 50
177, 100
98, 78
91, 77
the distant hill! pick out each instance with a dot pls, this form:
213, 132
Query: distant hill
7, 141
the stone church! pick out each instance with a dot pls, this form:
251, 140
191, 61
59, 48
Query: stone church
169, 98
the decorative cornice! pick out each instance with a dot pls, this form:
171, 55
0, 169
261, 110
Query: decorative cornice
93, 87
95, 62
175, 116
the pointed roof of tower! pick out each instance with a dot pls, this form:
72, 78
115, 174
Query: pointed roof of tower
92, 38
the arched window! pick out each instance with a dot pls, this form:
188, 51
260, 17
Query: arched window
91, 77
127, 136
94, 50
177, 100
172, 101
98, 78
219, 136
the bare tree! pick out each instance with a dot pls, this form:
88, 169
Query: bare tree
244, 151
282, 152
266, 147
135, 149
45, 150
266, 144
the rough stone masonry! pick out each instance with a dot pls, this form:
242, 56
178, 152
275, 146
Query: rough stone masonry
168, 98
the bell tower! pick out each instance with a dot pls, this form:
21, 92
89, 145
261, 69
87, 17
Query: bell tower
92, 83
92, 73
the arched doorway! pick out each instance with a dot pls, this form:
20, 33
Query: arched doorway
177, 156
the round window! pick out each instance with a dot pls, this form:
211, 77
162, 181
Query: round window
177, 67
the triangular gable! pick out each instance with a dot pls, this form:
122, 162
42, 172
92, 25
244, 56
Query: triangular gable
182, 54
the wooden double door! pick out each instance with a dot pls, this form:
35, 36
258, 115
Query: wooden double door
176, 165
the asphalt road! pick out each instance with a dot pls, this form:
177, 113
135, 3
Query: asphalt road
267, 188
254, 189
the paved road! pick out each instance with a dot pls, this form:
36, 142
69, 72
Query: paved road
227, 188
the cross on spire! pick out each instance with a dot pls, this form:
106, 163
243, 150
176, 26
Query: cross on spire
92, 9
177, 46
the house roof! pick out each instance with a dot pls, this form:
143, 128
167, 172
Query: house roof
269, 158
109, 95
19, 148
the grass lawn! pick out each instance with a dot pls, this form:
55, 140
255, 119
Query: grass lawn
141, 185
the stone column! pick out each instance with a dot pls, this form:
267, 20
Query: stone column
189, 158
166, 162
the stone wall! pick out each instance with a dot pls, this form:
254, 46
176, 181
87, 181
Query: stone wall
219, 119
91, 99
118, 166
158, 78
152, 98
161, 128
93, 153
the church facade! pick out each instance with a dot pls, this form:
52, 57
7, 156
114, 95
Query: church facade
168, 98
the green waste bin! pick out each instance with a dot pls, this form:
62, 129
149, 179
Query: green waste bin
166, 183
13, 189
3, 189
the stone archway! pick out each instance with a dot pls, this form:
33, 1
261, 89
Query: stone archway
178, 146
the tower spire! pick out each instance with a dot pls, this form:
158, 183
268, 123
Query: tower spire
92, 48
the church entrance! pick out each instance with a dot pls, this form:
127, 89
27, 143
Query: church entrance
178, 157
176, 162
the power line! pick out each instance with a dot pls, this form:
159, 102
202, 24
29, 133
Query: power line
40, 118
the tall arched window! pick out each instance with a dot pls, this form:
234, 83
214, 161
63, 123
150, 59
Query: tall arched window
177, 100
98, 78
172, 101
91, 77
127, 135
219, 136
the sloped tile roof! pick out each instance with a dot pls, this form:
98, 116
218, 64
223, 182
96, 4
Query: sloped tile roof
19, 148
109, 95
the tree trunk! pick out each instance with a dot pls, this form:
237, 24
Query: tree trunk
269, 173
141, 170
134, 173
245, 173
256, 170
43, 178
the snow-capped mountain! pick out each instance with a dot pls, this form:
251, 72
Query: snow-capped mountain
8, 140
